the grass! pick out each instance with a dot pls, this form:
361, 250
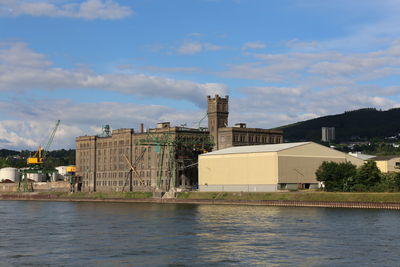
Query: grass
101, 195
296, 196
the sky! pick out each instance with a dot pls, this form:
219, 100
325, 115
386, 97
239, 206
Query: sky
124, 62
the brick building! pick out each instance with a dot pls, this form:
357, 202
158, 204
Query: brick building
239, 135
160, 158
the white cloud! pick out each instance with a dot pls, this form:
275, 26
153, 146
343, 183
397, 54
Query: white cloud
22, 69
172, 69
189, 48
36, 119
306, 68
88, 9
303, 45
195, 47
254, 45
277, 106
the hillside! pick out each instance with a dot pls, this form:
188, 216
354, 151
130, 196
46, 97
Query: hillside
362, 124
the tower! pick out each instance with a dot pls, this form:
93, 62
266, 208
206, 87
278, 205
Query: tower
217, 112
328, 134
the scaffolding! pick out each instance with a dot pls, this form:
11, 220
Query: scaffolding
133, 170
178, 149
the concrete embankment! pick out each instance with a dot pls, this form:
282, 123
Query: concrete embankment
223, 199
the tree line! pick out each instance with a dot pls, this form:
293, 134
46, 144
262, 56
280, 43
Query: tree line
55, 158
347, 177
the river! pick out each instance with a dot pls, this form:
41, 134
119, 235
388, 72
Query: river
35, 233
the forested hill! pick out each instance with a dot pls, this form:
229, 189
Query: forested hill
362, 124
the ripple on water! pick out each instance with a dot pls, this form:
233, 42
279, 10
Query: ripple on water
121, 234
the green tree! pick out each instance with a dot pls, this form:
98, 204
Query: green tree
368, 176
336, 176
390, 182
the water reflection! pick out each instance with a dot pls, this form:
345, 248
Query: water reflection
126, 234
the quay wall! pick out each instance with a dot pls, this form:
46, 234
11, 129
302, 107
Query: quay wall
147, 199
59, 186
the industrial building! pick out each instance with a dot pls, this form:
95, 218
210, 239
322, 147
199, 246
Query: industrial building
129, 161
385, 164
266, 168
160, 158
388, 164
239, 135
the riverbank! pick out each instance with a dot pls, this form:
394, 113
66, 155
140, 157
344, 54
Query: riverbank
288, 199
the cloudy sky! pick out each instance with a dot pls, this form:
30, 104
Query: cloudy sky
123, 62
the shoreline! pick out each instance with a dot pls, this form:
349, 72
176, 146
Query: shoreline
66, 197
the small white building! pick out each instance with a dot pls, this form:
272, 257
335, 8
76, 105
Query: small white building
62, 172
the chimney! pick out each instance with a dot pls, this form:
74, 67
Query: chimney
141, 128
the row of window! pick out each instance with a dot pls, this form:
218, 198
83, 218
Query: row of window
113, 151
103, 144
257, 139
105, 175
123, 183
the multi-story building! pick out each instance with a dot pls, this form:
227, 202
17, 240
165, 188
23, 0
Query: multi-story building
129, 161
328, 134
163, 157
239, 135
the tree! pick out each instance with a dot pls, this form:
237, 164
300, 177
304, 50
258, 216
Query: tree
336, 176
390, 182
368, 175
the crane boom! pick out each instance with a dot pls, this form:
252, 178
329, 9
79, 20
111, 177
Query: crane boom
41, 153
53, 133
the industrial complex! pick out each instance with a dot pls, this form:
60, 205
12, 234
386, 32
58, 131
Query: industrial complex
160, 158
168, 158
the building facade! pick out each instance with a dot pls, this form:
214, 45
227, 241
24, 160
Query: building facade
388, 164
161, 158
266, 168
239, 135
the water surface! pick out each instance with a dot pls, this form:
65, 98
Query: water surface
134, 234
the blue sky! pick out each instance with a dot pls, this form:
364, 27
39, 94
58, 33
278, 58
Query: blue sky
119, 62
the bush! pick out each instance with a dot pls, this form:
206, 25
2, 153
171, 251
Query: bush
346, 177
368, 174
336, 176
391, 182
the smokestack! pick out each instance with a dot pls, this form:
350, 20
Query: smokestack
141, 128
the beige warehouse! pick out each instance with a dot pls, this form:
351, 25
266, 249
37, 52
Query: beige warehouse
266, 168
388, 164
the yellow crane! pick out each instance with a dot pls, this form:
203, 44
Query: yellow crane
40, 154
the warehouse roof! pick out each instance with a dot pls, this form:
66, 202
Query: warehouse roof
256, 148
362, 156
379, 158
